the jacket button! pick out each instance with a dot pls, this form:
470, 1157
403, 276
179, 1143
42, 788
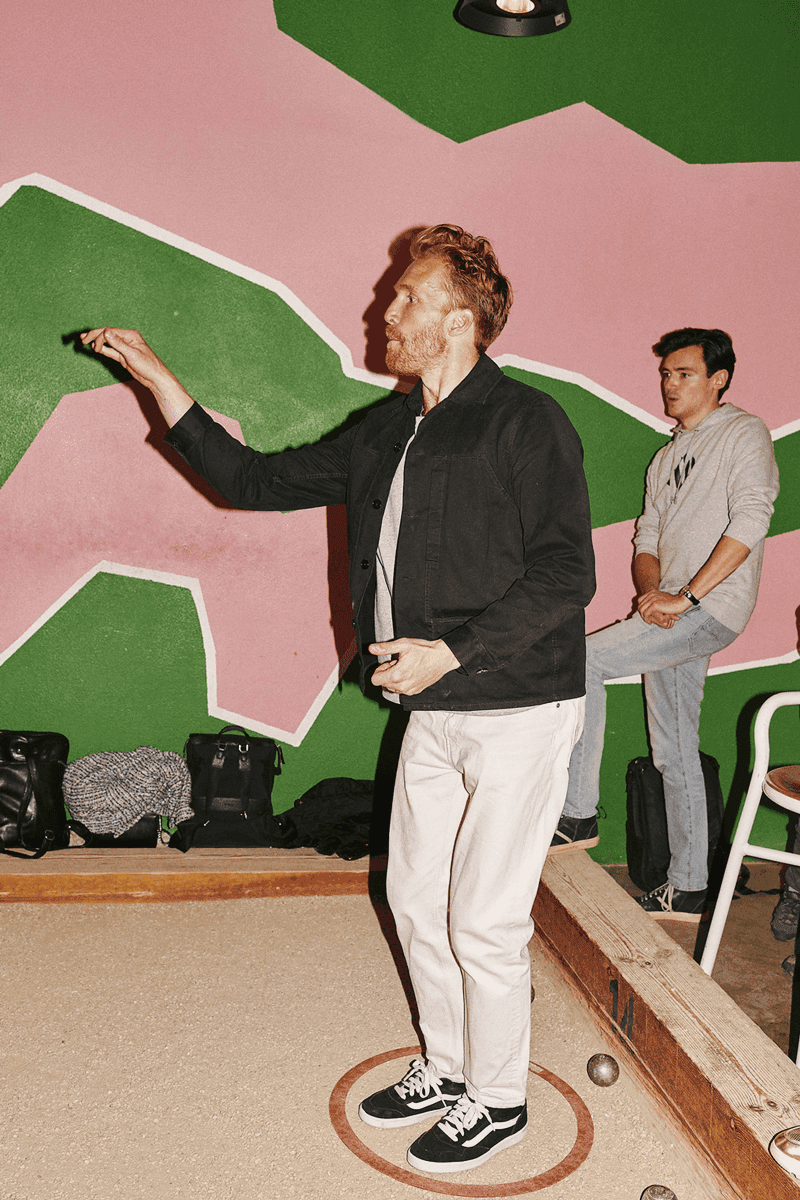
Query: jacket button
376, 503
364, 564
398, 447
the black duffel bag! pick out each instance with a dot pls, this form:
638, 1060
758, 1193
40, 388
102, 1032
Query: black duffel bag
232, 775
144, 835
647, 841
32, 812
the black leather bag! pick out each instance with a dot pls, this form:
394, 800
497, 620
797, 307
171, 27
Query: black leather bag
232, 775
141, 836
32, 812
646, 829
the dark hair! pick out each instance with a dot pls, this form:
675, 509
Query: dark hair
474, 277
715, 344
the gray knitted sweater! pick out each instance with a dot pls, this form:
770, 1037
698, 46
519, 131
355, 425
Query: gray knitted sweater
109, 792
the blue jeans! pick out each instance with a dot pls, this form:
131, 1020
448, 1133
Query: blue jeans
674, 663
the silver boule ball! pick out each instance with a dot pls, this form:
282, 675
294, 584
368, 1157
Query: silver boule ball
785, 1149
603, 1070
657, 1191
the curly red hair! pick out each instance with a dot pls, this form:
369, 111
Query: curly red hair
475, 280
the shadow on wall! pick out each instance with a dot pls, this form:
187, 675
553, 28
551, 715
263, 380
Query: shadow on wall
339, 586
158, 426
373, 316
336, 521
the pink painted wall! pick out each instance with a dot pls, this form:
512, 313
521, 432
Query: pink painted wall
113, 498
209, 123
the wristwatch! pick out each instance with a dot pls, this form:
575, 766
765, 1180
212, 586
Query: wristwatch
685, 592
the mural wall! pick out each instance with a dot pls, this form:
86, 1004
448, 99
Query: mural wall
235, 182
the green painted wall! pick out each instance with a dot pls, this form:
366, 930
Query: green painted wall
712, 82
122, 664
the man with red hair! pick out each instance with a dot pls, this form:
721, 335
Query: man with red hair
470, 568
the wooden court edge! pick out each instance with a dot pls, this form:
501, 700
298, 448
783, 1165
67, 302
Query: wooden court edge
163, 875
729, 1087
723, 1081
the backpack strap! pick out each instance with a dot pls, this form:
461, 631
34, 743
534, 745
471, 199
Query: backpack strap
218, 764
245, 774
34, 789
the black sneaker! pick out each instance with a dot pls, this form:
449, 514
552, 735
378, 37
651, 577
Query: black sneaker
786, 916
671, 904
575, 833
419, 1094
467, 1137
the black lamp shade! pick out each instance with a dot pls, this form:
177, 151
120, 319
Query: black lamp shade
546, 16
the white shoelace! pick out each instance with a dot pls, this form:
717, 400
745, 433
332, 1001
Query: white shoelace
418, 1081
464, 1114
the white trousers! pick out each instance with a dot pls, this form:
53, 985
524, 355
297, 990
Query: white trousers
476, 802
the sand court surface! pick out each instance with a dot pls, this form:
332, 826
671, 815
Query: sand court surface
219, 1050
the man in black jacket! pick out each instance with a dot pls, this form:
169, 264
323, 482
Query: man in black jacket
470, 568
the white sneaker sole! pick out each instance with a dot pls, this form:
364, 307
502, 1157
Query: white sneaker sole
666, 915
441, 1168
586, 844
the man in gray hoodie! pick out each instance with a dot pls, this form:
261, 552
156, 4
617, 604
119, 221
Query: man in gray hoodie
698, 549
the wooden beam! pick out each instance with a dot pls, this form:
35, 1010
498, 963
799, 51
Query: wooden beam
115, 876
728, 1084
123, 888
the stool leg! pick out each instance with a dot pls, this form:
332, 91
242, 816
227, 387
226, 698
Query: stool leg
743, 830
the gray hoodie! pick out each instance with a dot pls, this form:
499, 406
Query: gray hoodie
718, 478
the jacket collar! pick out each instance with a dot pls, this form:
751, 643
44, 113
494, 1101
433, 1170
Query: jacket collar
474, 386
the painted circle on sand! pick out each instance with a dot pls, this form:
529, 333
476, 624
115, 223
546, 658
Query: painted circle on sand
520, 1187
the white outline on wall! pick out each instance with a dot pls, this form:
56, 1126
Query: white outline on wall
351, 372
194, 586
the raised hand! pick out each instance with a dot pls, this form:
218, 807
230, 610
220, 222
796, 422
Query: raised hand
130, 350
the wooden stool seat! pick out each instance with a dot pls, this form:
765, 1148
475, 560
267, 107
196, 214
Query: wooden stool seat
785, 780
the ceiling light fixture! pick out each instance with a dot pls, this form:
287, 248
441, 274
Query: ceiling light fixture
514, 18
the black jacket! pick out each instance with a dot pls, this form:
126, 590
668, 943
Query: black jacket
494, 553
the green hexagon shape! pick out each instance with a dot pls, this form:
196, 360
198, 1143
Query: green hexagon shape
711, 83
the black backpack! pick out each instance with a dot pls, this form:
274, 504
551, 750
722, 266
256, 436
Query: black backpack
646, 828
232, 775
